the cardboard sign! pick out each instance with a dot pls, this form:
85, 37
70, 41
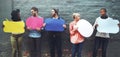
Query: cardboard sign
13, 27
108, 26
85, 28
54, 24
34, 22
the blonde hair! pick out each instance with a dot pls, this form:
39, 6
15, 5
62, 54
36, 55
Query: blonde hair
75, 14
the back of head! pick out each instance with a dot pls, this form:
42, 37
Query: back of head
15, 15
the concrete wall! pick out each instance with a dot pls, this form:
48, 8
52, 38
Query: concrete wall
5, 10
89, 10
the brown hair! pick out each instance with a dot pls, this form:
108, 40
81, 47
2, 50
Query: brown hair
35, 9
56, 10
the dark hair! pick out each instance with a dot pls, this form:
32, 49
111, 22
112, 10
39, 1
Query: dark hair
35, 9
15, 15
56, 10
104, 9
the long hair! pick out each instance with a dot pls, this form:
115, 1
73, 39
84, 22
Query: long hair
15, 15
56, 11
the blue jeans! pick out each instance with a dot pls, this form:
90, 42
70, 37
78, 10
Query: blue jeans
77, 49
100, 42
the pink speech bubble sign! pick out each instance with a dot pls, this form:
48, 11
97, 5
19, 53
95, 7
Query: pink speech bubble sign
34, 22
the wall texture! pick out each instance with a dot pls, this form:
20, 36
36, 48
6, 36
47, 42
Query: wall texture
89, 10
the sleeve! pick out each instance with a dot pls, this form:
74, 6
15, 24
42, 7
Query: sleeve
27, 22
64, 23
62, 20
45, 21
96, 22
71, 29
42, 22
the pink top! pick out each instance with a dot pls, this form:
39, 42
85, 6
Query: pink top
34, 22
75, 36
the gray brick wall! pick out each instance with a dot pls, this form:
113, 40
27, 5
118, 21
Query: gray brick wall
89, 10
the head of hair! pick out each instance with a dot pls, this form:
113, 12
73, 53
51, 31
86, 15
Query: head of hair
15, 15
75, 14
35, 9
104, 9
56, 11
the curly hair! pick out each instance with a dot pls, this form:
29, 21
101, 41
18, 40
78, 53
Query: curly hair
15, 15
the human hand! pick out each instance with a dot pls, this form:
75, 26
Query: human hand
119, 24
29, 28
44, 24
64, 26
75, 27
38, 29
96, 25
3, 26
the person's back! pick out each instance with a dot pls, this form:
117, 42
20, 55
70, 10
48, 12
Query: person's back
16, 38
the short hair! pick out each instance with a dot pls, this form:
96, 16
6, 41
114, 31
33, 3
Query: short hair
75, 14
15, 15
104, 9
35, 9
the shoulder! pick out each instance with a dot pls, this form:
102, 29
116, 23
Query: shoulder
29, 17
22, 21
48, 19
40, 17
60, 18
98, 18
110, 18
71, 23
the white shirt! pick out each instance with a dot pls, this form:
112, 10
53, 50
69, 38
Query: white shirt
100, 34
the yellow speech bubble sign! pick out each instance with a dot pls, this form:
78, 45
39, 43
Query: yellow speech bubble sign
13, 27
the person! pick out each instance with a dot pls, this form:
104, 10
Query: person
78, 44
101, 38
16, 38
54, 27
34, 24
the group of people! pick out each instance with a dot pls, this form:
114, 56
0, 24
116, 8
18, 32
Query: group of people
54, 26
